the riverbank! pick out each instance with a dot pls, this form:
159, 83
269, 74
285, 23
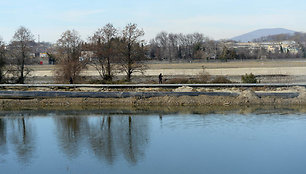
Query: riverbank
183, 96
147, 110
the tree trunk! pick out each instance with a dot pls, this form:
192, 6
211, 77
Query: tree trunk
108, 68
129, 70
21, 78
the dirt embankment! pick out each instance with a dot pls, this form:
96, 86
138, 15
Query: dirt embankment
245, 97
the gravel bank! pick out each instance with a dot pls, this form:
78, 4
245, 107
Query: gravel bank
246, 97
183, 96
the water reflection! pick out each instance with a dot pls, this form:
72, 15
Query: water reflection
133, 137
106, 136
3, 137
21, 136
70, 133
101, 136
109, 137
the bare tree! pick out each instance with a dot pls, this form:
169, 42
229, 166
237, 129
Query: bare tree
209, 49
162, 41
68, 55
2, 59
155, 50
173, 46
103, 47
20, 49
132, 51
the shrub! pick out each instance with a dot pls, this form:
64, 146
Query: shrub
221, 79
177, 81
248, 78
203, 77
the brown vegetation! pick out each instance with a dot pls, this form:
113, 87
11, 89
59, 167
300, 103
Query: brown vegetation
132, 51
20, 50
104, 44
245, 98
68, 56
221, 79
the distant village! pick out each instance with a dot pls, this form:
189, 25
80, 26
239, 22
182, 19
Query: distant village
271, 47
265, 50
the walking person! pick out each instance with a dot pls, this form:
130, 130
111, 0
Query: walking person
160, 78
71, 80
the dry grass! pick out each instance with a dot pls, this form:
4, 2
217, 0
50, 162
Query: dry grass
293, 67
209, 65
221, 79
235, 64
178, 81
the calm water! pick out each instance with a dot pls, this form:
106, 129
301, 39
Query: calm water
89, 142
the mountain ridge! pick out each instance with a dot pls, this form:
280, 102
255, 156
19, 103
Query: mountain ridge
250, 36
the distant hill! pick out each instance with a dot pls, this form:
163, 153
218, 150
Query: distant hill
261, 33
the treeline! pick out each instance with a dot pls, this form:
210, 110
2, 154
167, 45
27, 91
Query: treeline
180, 47
110, 50
170, 46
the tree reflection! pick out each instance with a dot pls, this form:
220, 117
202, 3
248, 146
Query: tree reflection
119, 135
133, 138
3, 137
101, 139
69, 133
107, 136
22, 138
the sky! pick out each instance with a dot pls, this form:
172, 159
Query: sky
216, 19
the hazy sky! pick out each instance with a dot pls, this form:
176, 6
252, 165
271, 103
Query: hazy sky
216, 19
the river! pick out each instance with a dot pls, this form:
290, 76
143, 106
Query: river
147, 141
